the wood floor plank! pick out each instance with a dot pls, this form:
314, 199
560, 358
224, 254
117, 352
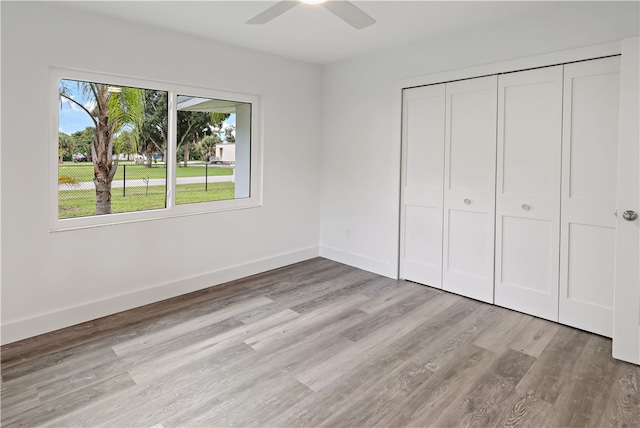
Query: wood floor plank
463, 332
150, 370
148, 402
623, 406
75, 380
295, 273
69, 402
500, 333
317, 343
384, 314
333, 399
12, 395
327, 371
385, 300
553, 370
55, 366
122, 323
363, 377
312, 286
282, 333
367, 408
147, 341
524, 410
297, 291
220, 347
18, 402
485, 402
382, 285
249, 406
581, 401
534, 337
431, 398
231, 378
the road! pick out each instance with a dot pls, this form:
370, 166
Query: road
83, 185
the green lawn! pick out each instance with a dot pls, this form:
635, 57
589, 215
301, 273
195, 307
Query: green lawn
84, 171
81, 203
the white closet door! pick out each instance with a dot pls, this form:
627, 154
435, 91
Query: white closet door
423, 171
469, 195
589, 172
528, 191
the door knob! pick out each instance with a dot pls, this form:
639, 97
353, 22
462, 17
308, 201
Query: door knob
629, 215
525, 207
467, 201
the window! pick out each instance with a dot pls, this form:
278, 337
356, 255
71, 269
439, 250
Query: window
129, 150
109, 138
221, 131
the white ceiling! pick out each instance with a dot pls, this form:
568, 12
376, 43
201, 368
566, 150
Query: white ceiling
313, 34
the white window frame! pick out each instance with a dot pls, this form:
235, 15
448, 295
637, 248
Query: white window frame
171, 209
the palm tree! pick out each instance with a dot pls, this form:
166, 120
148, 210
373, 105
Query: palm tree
116, 108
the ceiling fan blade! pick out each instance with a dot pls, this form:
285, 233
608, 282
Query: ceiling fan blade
349, 13
273, 12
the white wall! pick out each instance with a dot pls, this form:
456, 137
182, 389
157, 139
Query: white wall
360, 188
52, 280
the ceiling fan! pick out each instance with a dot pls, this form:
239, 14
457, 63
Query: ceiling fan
344, 10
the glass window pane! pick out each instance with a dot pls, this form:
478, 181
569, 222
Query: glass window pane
112, 143
213, 149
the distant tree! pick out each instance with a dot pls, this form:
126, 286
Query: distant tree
192, 127
125, 143
217, 121
230, 134
114, 109
155, 129
208, 145
66, 147
82, 140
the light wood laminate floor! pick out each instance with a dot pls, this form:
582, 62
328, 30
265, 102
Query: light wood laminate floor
318, 344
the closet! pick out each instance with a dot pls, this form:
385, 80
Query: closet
509, 188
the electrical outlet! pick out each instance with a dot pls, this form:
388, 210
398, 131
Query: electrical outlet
347, 234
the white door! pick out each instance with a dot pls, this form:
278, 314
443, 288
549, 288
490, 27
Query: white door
469, 183
589, 173
528, 191
626, 313
422, 184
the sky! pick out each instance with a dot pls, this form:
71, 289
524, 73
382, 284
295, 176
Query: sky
72, 118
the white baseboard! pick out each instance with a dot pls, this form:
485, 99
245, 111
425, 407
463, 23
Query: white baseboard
45, 323
359, 261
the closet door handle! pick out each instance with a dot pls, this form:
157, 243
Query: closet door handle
467, 201
525, 207
629, 215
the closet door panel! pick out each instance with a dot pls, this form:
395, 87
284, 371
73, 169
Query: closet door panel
467, 243
469, 195
529, 158
423, 181
527, 253
528, 191
590, 136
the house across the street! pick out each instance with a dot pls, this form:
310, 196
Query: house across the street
225, 153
